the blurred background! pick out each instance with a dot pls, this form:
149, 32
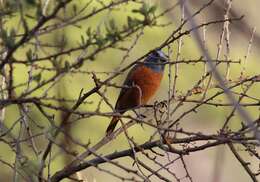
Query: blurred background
202, 165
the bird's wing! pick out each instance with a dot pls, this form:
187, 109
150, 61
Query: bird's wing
130, 95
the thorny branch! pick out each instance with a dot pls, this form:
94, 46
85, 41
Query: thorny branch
46, 108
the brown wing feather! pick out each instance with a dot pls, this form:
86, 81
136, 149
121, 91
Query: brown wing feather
129, 99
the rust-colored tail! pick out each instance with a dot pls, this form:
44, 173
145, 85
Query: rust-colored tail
112, 125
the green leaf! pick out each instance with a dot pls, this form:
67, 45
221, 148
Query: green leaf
38, 12
100, 42
136, 11
88, 32
144, 9
67, 66
152, 9
31, 2
10, 39
82, 40
4, 35
133, 22
37, 77
89, 36
112, 24
75, 9
29, 55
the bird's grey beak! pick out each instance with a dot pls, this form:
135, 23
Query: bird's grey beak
161, 56
164, 59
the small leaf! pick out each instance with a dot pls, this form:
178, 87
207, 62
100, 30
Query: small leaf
152, 9
82, 40
31, 2
133, 22
10, 40
37, 77
75, 9
112, 24
29, 55
67, 66
144, 9
88, 32
136, 11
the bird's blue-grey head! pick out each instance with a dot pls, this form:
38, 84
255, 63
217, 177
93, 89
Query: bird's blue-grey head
156, 60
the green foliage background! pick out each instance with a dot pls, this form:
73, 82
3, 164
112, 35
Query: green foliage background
92, 129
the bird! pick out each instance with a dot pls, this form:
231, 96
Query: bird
140, 85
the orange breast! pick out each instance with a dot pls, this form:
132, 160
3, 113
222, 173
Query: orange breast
148, 80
